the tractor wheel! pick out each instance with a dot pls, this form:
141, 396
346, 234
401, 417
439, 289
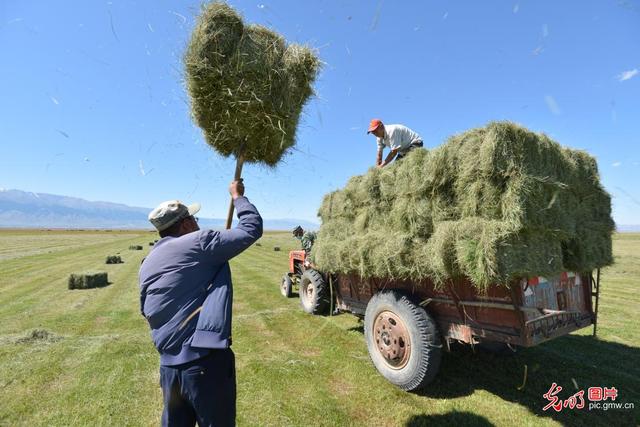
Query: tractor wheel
314, 292
286, 286
402, 339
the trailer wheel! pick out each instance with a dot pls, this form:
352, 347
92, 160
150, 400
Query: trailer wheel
314, 292
402, 339
286, 286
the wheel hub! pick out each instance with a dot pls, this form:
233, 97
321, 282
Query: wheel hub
310, 291
392, 339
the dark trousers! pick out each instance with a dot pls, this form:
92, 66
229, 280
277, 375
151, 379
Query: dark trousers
203, 390
413, 146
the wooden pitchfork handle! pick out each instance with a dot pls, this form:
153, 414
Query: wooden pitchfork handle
237, 176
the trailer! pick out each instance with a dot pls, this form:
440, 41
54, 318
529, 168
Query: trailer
408, 324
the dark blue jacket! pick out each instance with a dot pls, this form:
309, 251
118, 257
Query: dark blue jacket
185, 287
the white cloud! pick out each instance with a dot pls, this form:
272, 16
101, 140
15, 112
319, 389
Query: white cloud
626, 75
616, 164
552, 104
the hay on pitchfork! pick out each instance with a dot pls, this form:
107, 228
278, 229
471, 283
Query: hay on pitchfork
247, 85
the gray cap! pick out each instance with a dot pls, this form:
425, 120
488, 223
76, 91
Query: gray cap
169, 212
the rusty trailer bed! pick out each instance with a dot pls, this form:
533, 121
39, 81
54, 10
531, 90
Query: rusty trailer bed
526, 313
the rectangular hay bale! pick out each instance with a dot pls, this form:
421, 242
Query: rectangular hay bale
88, 280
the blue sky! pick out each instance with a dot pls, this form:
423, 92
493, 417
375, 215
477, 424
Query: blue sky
93, 105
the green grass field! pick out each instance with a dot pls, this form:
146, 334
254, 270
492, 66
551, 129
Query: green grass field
92, 362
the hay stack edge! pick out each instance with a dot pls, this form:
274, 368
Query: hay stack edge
491, 204
247, 86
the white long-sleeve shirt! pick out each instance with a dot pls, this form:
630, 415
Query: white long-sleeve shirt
397, 137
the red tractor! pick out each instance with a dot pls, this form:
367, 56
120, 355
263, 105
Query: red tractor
314, 292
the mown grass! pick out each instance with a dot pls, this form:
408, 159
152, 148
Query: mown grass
97, 366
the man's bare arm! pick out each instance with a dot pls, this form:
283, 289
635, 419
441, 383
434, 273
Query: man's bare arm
390, 157
379, 157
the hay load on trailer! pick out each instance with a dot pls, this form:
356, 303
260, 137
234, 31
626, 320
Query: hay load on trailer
491, 204
490, 238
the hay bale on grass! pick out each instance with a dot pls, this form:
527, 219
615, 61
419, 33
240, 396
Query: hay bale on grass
88, 280
258, 244
113, 259
492, 204
276, 248
247, 86
151, 243
135, 247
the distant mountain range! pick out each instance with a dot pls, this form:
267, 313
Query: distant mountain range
23, 209
628, 228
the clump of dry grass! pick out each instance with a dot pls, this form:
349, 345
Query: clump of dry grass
492, 204
247, 86
38, 336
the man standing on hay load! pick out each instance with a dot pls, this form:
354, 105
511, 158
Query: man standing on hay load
186, 296
400, 139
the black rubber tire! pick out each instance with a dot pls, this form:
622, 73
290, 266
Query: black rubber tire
286, 286
426, 347
314, 293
